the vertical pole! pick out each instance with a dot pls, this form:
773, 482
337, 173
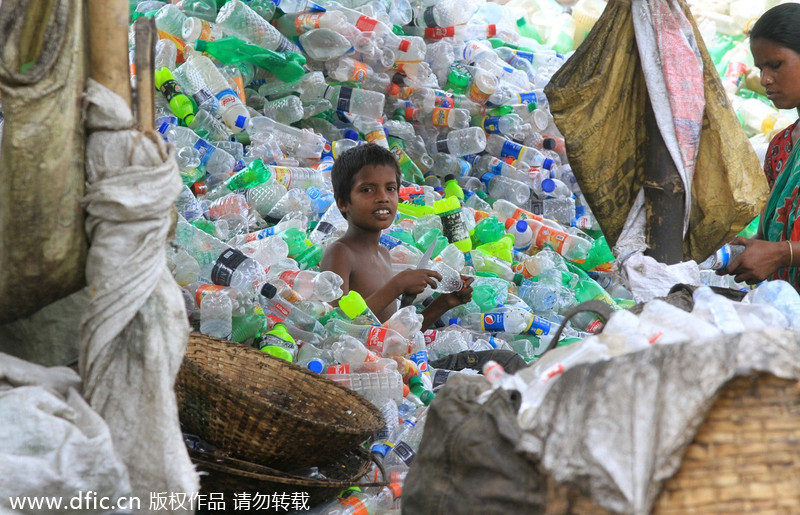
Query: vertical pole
108, 45
663, 196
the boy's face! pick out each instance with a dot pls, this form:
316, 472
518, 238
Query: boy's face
373, 198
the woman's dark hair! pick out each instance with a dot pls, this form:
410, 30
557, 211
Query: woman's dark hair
781, 25
353, 160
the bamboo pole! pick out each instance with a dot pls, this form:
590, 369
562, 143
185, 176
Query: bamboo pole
145, 36
108, 45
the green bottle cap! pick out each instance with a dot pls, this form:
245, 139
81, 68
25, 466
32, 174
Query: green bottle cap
200, 45
352, 304
518, 278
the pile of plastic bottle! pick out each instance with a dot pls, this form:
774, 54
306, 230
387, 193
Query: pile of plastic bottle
259, 97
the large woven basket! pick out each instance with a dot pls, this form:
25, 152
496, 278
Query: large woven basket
231, 478
261, 409
744, 458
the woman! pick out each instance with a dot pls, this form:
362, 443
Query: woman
775, 252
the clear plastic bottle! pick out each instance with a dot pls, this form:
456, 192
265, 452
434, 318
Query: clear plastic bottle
288, 109
216, 162
350, 350
444, 14
166, 54
461, 142
331, 227
780, 295
717, 310
500, 147
300, 143
238, 19
347, 69
208, 127
324, 44
170, 19
273, 304
379, 339
722, 257
296, 24
195, 28
376, 387
541, 297
232, 111
356, 101
216, 315
322, 286
506, 124
502, 187
512, 321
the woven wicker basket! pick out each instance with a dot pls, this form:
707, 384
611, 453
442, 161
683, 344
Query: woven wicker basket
744, 458
230, 477
261, 409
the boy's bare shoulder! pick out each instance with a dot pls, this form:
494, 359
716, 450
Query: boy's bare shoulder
337, 252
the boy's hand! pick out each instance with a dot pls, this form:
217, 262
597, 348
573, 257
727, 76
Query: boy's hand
451, 300
414, 281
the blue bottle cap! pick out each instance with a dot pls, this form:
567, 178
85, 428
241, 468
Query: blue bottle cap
386, 131
548, 163
350, 134
380, 448
548, 185
316, 365
452, 321
521, 226
240, 121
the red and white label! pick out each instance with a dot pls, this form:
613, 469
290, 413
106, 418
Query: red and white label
430, 336
439, 32
289, 276
595, 326
553, 371
339, 369
205, 289
375, 338
280, 308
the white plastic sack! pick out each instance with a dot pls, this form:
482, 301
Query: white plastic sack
135, 329
53, 444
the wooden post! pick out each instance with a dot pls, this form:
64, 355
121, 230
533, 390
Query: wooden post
108, 45
664, 198
145, 37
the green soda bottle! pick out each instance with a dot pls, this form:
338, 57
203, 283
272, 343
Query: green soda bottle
457, 79
356, 310
529, 31
251, 176
295, 239
449, 210
599, 254
310, 257
279, 343
433, 235
287, 66
488, 230
501, 249
408, 168
452, 188
246, 326
752, 228
418, 388
180, 104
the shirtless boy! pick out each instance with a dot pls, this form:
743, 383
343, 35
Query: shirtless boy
365, 183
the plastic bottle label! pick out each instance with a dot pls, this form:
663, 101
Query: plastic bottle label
343, 103
375, 135
430, 336
257, 235
206, 149
202, 96
552, 237
527, 98
283, 175
306, 21
375, 338
225, 265
389, 242
289, 276
528, 56
493, 322
440, 32
428, 15
511, 149
344, 368
441, 146
440, 116
359, 73
539, 326
453, 226
205, 31
440, 377
491, 124
476, 95
286, 46
443, 98
227, 98
405, 453
170, 89
355, 504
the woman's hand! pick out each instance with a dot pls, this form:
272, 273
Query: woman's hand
759, 260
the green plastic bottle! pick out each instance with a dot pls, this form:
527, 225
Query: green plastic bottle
488, 230
433, 235
355, 308
528, 30
413, 210
180, 104
295, 239
418, 388
599, 254
251, 176
752, 228
287, 66
279, 343
449, 210
310, 257
408, 168
452, 188
457, 79
501, 249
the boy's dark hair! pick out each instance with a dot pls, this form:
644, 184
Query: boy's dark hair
779, 25
353, 160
